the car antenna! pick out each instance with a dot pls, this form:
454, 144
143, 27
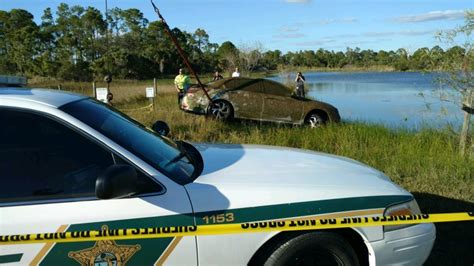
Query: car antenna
180, 50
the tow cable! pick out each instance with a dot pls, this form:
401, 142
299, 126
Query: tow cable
180, 51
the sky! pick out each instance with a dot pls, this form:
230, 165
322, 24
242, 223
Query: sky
294, 25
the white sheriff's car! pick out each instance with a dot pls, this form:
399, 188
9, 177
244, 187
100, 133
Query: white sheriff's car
71, 163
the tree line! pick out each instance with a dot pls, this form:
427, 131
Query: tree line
80, 43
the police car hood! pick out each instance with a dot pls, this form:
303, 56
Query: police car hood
250, 175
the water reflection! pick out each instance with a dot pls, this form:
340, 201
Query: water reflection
396, 99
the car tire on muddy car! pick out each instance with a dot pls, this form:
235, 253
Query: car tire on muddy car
315, 119
221, 110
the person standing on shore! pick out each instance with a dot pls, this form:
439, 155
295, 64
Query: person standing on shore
110, 97
300, 85
181, 82
217, 76
236, 73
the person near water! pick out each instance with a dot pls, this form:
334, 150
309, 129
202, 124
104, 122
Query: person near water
217, 76
300, 80
236, 73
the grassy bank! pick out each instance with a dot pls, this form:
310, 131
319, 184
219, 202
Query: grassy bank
425, 161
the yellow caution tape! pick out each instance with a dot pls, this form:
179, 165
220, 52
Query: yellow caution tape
252, 227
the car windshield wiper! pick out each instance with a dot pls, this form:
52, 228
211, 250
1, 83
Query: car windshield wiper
182, 153
194, 158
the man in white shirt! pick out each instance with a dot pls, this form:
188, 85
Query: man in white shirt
236, 73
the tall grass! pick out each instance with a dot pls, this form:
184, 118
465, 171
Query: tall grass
424, 161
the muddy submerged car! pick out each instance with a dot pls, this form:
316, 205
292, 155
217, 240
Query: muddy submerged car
258, 99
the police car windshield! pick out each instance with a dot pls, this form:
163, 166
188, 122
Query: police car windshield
160, 152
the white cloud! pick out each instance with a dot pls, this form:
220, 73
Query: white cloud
341, 36
297, 26
356, 43
431, 16
340, 20
384, 40
403, 33
314, 43
288, 29
289, 36
298, 1
379, 34
416, 32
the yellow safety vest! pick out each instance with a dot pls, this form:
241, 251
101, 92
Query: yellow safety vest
182, 82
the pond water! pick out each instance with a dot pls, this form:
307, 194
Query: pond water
396, 99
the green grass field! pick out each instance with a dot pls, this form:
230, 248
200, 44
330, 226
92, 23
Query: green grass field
425, 162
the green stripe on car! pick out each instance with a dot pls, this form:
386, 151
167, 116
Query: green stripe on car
151, 249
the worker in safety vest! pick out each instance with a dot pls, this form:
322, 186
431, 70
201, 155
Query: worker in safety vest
181, 82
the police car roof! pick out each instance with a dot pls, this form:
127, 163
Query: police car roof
52, 98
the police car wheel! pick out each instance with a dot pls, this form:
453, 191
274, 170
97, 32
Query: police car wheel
315, 248
221, 110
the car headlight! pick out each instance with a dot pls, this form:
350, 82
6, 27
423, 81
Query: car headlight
406, 208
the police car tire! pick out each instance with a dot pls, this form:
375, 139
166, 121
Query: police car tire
314, 246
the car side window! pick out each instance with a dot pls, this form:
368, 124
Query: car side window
276, 89
42, 159
253, 86
227, 84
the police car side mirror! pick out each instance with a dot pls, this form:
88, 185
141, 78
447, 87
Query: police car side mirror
161, 128
117, 181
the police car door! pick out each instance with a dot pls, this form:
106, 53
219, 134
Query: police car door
48, 171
